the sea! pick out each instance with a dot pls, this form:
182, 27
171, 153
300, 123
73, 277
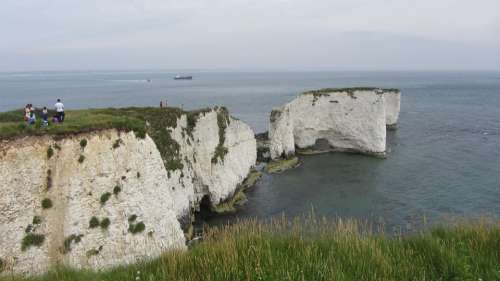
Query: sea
444, 159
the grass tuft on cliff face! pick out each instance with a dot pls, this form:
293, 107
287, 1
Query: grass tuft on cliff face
223, 120
318, 249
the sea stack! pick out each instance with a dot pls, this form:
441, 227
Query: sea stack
346, 119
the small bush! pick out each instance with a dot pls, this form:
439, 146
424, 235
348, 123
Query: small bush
37, 220
92, 252
50, 152
135, 228
57, 146
117, 189
117, 143
132, 218
46, 203
94, 222
2, 265
28, 229
70, 239
138, 175
105, 197
81, 159
140, 133
105, 223
83, 143
32, 239
49, 179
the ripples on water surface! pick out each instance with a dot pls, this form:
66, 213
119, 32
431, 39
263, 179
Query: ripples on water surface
444, 160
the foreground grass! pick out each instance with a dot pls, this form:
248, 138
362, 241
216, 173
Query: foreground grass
319, 250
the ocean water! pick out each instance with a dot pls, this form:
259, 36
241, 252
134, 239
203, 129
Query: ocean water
444, 160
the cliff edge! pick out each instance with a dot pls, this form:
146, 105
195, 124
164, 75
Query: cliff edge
118, 192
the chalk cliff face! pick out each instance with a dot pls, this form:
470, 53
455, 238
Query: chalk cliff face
347, 119
392, 107
106, 198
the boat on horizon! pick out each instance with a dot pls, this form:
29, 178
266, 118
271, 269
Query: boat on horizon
182, 77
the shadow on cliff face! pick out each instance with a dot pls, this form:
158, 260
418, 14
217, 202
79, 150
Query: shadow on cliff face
201, 216
321, 145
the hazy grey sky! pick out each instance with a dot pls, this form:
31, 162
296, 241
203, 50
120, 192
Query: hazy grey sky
249, 34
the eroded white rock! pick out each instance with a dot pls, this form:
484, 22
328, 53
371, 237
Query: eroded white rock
157, 197
349, 120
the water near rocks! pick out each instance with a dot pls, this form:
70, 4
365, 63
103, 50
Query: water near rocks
444, 159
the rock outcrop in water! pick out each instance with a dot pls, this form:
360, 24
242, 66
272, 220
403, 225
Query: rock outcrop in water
105, 198
351, 119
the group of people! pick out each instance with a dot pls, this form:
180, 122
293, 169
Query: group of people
30, 115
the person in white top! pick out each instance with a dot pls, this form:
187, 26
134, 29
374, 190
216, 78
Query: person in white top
60, 110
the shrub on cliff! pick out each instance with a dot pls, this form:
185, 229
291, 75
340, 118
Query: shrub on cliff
81, 159
105, 222
50, 152
32, 239
136, 228
94, 222
83, 143
46, 203
105, 197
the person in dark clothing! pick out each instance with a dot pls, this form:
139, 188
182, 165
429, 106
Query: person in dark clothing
45, 117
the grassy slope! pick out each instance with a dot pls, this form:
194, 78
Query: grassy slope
319, 250
151, 120
12, 125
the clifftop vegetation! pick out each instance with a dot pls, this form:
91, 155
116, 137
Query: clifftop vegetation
154, 121
347, 90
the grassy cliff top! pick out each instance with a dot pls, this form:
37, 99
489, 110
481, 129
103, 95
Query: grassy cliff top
153, 121
347, 90
135, 119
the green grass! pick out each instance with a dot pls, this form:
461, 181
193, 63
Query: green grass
317, 250
223, 121
105, 222
81, 159
36, 220
32, 239
136, 228
47, 203
105, 197
229, 206
73, 238
93, 222
326, 91
116, 190
281, 165
83, 143
141, 120
50, 152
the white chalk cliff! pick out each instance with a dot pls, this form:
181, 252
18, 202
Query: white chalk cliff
113, 200
353, 119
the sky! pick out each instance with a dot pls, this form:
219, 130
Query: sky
40, 35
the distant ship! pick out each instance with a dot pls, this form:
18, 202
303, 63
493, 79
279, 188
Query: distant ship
180, 77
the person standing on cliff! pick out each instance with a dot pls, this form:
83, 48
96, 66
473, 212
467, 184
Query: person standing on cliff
45, 117
27, 112
60, 110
